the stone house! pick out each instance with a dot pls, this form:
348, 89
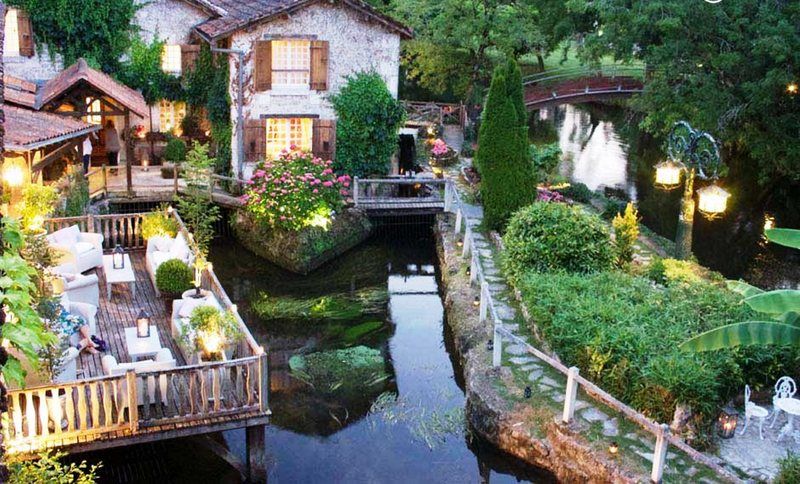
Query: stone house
291, 56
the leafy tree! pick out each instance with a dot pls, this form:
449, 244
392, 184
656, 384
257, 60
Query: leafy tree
142, 70
366, 130
507, 182
724, 67
100, 31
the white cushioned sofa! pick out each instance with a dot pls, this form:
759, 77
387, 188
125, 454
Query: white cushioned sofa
164, 360
162, 249
83, 250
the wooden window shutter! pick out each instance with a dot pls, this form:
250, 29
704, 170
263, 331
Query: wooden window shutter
319, 65
263, 67
25, 34
323, 143
255, 139
189, 55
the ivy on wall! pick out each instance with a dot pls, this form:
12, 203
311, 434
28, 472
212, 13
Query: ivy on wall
100, 31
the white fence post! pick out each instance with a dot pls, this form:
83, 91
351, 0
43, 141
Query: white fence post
458, 220
484, 301
473, 269
448, 195
467, 242
571, 395
497, 342
660, 454
355, 191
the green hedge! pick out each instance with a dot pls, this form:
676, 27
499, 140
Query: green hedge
622, 331
555, 236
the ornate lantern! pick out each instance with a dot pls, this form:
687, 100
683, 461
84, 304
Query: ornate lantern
727, 421
143, 325
118, 257
668, 174
712, 201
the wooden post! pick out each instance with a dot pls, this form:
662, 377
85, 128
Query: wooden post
133, 401
447, 196
473, 269
660, 454
90, 223
256, 454
571, 396
484, 301
175, 168
263, 382
128, 153
497, 349
355, 191
459, 216
105, 179
467, 242
210, 185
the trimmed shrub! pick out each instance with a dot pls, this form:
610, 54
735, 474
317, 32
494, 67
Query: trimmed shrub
175, 151
578, 192
366, 129
502, 158
626, 232
555, 237
789, 469
672, 271
174, 277
159, 224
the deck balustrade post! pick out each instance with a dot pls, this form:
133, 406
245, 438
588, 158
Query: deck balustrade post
447, 197
133, 401
263, 382
256, 454
105, 179
90, 223
660, 454
497, 345
473, 269
459, 216
210, 185
484, 301
175, 169
571, 395
355, 191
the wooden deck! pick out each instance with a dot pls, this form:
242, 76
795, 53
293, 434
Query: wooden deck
120, 312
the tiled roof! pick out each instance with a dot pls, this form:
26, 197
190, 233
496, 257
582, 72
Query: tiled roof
80, 71
239, 14
26, 129
19, 91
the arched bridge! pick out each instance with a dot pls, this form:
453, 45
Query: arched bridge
582, 84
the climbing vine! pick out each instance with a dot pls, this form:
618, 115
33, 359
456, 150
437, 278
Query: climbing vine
100, 31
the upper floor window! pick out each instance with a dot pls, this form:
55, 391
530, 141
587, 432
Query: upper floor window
95, 108
18, 39
291, 62
171, 59
171, 116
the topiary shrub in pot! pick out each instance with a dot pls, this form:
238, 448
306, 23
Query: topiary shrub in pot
556, 237
173, 277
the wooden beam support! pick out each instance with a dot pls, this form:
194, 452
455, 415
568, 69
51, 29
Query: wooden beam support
57, 153
128, 152
256, 454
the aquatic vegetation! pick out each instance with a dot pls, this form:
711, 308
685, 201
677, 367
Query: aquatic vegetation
336, 307
430, 426
343, 370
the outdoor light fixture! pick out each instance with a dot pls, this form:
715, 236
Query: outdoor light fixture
613, 449
490, 345
143, 324
792, 88
460, 243
727, 421
712, 201
668, 174
118, 257
14, 172
528, 392
469, 271
769, 222
145, 165
212, 342
477, 301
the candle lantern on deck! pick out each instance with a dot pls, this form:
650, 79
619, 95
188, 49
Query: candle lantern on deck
727, 421
118, 257
143, 324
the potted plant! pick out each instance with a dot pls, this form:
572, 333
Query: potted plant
442, 155
38, 203
174, 154
173, 277
210, 333
159, 224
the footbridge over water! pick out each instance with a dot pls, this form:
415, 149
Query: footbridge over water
583, 84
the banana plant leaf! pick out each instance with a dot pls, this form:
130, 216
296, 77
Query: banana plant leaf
749, 333
787, 237
743, 288
791, 317
775, 302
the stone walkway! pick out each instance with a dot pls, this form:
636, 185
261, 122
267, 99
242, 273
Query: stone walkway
453, 136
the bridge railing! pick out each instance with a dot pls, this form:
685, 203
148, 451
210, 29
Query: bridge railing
400, 192
603, 70
436, 113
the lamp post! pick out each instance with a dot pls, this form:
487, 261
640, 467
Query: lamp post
695, 153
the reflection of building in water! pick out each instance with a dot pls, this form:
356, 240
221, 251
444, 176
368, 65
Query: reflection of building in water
592, 152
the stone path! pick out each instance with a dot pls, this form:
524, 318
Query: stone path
453, 136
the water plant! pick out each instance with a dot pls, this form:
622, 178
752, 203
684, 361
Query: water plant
334, 307
341, 370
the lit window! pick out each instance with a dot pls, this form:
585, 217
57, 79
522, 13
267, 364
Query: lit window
171, 116
93, 105
291, 62
282, 133
11, 41
171, 59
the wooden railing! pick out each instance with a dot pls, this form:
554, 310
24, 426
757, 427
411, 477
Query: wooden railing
117, 229
401, 193
487, 311
436, 113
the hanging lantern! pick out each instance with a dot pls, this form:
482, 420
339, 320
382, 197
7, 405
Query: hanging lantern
143, 325
668, 174
118, 257
613, 449
727, 421
712, 201
14, 171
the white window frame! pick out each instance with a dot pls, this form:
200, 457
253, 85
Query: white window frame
291, 64
282, 133
172, 59
11, 39
94, 106
171, 113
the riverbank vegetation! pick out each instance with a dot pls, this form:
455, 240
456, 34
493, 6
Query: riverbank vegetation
333, 307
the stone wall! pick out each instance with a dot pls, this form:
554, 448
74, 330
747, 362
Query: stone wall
172, 21
354, 45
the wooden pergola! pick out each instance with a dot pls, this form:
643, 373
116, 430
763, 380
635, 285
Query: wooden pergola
77, 90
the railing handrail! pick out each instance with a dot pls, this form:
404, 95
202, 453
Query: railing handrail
581, 71
401, 181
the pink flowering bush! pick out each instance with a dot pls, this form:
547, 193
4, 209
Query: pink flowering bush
439, 148
295, 191
441, 154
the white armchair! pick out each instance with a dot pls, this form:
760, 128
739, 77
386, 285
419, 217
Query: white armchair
163, 361
78, 287
162, 249
67, 371
87, 311
84, 250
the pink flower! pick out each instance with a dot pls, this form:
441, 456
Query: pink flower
346, 184
328, 184
315, 190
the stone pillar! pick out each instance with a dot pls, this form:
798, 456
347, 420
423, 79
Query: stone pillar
256, 454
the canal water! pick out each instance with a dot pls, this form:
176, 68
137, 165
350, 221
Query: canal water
603, 148
404, 425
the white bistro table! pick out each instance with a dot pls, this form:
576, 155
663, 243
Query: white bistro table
792, 407
142, 347
119, 276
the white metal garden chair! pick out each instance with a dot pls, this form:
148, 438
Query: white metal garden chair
784, 388
753, 410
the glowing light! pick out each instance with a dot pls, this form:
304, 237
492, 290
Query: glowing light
212, 342
37, 223
668, 174
477, 301
712, 201
170, 209
613, 448
769, 222
792, 88
14, 172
